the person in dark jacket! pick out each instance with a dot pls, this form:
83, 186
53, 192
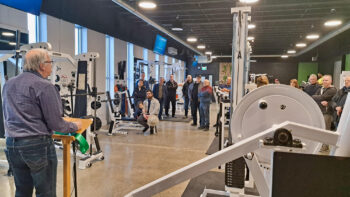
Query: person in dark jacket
193, 91
205, 96
322, 97
313, 86
139, 94
171, 86
338, 101
145, 82
187, 83
138, 112
159, 92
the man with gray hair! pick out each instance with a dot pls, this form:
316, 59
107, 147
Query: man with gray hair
313, 86
322, 97
32, 111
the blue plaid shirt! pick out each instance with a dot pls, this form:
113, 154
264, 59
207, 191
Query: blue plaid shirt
32, 106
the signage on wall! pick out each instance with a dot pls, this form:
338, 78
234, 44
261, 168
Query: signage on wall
32, 6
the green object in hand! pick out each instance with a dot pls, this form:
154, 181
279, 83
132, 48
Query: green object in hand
83, 144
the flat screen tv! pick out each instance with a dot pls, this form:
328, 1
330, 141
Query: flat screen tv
160, 45
31, 6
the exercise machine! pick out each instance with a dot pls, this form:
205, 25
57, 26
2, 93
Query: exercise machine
271, 118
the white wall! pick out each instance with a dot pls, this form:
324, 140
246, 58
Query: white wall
138, 52
97, 43
61, 35
13, 19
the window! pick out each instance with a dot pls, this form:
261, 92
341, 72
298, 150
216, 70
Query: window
130, 67
33, 28
80, 35
165, 66
157, 67
110, 65
145, 57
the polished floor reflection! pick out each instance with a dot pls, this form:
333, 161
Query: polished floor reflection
134, 160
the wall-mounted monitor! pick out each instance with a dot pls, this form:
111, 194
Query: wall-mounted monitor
160, 45
32, 6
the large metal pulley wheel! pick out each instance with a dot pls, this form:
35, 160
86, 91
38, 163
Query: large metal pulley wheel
271, 105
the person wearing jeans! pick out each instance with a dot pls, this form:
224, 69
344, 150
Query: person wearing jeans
32, 111
159, 92
205, 96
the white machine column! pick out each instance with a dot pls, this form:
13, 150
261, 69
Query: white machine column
344, 132
239, 55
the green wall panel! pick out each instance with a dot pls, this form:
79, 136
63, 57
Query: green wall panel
305, 69
347, 62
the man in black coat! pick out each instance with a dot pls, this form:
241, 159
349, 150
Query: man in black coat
159, 92
313, 85
338, 101
322, 97
139, 94
187, 83
171, 86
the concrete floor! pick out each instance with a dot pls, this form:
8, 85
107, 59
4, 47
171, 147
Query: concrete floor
132, 161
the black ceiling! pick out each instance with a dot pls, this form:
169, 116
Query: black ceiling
279, 23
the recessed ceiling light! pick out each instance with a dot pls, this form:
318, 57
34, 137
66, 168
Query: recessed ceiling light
333, 23
12, 43
177, 29
313, 36
201, 46
291, 51
8, 34
208, 53
248, 1
192, 39
147, 4
300, 45
284, 56
251, 26
250, 38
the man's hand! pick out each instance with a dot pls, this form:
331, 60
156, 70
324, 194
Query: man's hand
324, 103
79, 125
225, 90
145, 116
339, 110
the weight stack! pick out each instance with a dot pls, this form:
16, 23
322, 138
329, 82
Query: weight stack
235, 173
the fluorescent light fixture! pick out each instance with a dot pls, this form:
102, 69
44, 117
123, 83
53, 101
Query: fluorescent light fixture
177, 29
291, 51
300, 45
8, 34
213, 57
284, 56
333, 23
12, 43
191, 39
251, 26
208, 53
250, 38
201, 46
313, 36
147, 4
248, 1
177, 26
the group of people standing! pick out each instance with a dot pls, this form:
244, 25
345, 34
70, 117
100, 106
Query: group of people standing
148, 102
198, 95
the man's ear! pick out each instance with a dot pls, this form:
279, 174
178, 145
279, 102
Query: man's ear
41, 67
